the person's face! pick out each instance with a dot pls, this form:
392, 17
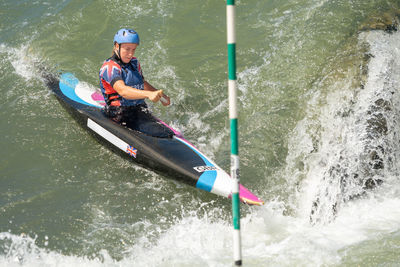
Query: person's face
127, 52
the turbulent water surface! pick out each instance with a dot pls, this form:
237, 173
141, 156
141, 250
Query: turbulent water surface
319, 124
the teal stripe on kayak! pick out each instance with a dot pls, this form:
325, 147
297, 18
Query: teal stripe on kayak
69, 79
68, 83
230, 2
232, 61
207, 179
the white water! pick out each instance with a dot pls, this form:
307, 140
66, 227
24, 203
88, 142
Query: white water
269, 239
336, 140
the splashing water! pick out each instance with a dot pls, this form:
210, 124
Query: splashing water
352, 145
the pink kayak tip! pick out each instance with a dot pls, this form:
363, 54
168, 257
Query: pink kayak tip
249, 198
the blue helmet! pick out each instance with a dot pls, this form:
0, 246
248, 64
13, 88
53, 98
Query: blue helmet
126, 36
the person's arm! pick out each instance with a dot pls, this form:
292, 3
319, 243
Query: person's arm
129, 92
164, 100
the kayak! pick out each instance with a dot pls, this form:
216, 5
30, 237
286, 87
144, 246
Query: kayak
173, 156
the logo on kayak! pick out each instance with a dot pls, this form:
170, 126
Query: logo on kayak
131, 151
205, 168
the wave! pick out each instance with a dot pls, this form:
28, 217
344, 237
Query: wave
269, 239
348, 143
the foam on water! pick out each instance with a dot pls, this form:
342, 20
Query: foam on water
269, 239
22, 251
19, 59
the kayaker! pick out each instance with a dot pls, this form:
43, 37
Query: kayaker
125, 89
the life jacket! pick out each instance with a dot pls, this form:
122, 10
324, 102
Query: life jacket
113, 70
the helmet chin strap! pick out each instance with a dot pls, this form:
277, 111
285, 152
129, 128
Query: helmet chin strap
118, 53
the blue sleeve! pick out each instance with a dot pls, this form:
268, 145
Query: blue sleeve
110, 72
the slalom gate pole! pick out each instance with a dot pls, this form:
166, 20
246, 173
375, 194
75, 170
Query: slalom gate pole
233, 114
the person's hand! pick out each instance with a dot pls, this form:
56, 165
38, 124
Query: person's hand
155, 95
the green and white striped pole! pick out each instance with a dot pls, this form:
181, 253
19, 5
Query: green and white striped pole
233, 114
